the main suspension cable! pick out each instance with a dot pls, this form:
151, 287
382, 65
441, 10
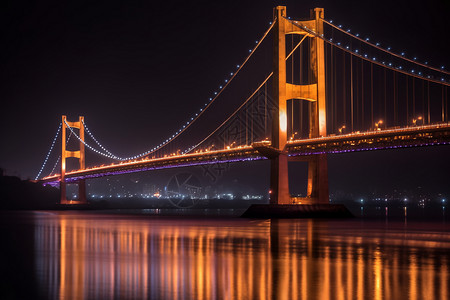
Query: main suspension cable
90, 147
386, 50
109, 154
49, 152
248, 99
96, 141
232, 115
59, 157
373, 60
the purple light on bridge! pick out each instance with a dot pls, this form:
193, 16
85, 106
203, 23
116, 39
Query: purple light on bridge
368, 149
143, 169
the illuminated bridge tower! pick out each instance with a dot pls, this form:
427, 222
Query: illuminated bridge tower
314, 92
65, 154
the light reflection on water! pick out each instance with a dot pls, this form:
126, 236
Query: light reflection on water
98, 256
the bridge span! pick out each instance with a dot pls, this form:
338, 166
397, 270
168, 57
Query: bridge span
322, 79
427, 135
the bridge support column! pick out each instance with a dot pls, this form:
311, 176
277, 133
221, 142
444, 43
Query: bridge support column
317, 192
65, 154
316, 204
279, 180
315, 92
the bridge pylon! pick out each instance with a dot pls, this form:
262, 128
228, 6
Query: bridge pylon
314, 92
65, 154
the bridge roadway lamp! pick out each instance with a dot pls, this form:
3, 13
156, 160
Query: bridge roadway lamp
377, 125
419, 118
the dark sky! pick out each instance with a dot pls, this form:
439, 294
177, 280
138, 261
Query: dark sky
137, 69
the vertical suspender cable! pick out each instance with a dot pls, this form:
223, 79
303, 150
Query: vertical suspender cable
362, 94
301, 82
327, 85
385, 98
265, 109
443, 117
351, 89
292, 81
331, 94
371, 95
309, 76
423, 102
356, 95
251, 120
334, 90
240, 128
414, 97
245, 120
344, 85
395, 99
446, 104
407, 101
428, 96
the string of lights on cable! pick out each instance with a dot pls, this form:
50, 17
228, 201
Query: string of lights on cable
387, 50
59, 157
96, 141
87, 145
372, 59
186, 125
245, 102
49, 152
231, 116
54, 166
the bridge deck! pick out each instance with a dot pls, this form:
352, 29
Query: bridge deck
427, 135
247, 153
438, 134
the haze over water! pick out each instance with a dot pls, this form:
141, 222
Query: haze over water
92, 255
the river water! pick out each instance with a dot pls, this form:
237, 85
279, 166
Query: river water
124, 255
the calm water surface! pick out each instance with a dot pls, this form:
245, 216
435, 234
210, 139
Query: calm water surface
92, 255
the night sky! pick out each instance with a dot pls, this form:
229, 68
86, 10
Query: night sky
138, 70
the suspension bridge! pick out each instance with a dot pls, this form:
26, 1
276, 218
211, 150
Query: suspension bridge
311, 88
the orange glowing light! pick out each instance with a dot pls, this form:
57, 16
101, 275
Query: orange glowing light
283, 121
